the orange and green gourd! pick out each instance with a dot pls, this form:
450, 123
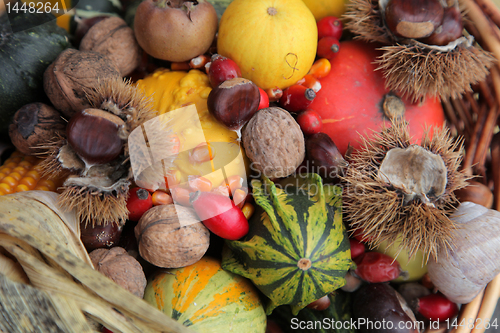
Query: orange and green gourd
207, 298
297, 249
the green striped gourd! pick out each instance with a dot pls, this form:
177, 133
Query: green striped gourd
207, 299
297, 248
335, 319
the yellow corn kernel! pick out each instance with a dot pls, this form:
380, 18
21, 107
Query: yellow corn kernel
2, 175
16, 175
24, 164
33, 174
20, 170
30, 182
248, 210
22, 188
41, 188
48, 183
6, 188
9, 181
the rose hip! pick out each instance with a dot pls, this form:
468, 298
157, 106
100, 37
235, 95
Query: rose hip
310, 81
264, 99
138, 203
328, 47
310, 122
357, 248
437, 307
297, 98
274, 94
330, 26
377, 267
222, 69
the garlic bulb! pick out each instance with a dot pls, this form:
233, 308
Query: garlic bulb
471, 263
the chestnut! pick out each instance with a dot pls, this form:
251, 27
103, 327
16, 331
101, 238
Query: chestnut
324, 156
413, 18
96, 136
100, 236
449, 30
234, 102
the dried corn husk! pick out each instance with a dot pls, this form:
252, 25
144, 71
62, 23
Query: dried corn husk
65, 293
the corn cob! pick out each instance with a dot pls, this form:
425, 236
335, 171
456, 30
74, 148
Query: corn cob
22, 173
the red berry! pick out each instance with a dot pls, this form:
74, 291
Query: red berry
138, 203
264, 99
329, 26
376, 267
297, 98
310, 122
357, 248
437, 307
328, 47
222, 69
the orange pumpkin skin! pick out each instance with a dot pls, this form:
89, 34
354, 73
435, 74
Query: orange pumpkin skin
351, 97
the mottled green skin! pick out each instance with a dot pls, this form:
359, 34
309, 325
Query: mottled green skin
291, 227
24, 56
338, 311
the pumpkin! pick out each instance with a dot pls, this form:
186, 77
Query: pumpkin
26, 51
296, 250
207, 299
272, 41
336, 318
352, 96
323, 8
172, 90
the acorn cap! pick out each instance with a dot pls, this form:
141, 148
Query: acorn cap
412, 197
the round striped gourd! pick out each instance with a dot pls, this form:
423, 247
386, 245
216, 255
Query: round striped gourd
207, 299
297, 248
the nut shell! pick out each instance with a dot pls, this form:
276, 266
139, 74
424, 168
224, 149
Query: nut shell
73, 72
114, 38
274, 142
171, 236
33, 125
120, 267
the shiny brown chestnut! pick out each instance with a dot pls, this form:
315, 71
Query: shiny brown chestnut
324, 156
413, 18
320, 304
96, 136
100, 236
450, 29
234, 102
476, 192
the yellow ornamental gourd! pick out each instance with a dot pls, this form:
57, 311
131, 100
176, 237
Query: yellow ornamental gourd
273, 41
323, 8
172, 90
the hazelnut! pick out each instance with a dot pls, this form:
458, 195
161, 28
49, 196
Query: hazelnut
73, 73
274, 142
96, 136
33, 125
413, 18
234, 102
122, 268
171, 236
114, 38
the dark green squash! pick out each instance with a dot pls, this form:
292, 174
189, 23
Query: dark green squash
24, 56
296, 250
335, 319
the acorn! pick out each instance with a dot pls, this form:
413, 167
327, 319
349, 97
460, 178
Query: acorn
395, 187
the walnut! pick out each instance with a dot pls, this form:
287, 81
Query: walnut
73, 72
122, 268
171, 236
33, 126
274, 142
115, 39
